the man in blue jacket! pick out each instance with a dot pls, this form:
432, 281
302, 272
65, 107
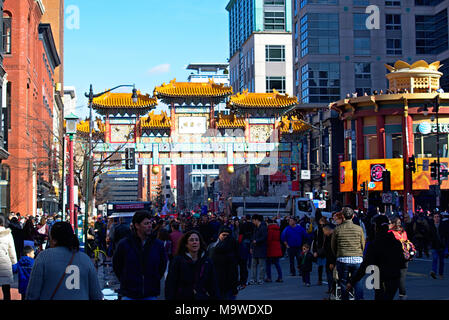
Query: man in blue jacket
293, 237
139, 261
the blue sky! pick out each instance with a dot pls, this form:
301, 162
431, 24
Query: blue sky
146, 42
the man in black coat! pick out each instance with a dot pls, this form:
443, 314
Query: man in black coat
120, 231
140, 261
438, 237
385, 252
246, 230
259, 249
225, 256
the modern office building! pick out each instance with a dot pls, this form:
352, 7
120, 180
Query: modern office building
260, 45
335, 54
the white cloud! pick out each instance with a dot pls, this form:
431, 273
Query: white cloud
162, 68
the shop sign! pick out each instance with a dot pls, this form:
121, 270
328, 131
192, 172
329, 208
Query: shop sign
426, 128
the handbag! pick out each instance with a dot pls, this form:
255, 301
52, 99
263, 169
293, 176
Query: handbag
62, 277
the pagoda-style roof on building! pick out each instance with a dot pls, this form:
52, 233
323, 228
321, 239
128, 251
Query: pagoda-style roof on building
83, 127
155, 121
187, 90
230, 121
297, 125
418, 77
261, 100
114, 103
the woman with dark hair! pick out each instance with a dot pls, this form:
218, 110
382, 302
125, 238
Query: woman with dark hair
62, 272
191, 275
400, 234
30, 233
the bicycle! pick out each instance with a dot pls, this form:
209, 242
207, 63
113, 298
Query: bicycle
97, 254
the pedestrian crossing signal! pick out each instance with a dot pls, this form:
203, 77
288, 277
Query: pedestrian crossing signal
130, 158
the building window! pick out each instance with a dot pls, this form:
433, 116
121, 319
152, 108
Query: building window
392, 3
274, 20
275, 2
359, 21
393, 146
361, 2
431, 3
431, 33
274, 53
277, 83
371, 151
362, 71
320, 82
319, 34
394, 47
7, 34
426, 145
393, 21
362, 46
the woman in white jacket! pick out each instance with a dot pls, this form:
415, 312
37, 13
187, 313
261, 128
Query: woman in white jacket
7, 259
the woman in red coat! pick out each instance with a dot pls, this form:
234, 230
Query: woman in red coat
274, 251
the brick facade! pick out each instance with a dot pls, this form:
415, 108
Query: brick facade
30, 68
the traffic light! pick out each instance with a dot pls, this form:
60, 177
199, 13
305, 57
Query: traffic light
412, 163
325, 195
322, 179
293, 173
444, 174
386, 182
434, 170
130, 158
363, 189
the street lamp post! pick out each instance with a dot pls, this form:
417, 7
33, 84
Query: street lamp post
71, 121
89, 162
436, 108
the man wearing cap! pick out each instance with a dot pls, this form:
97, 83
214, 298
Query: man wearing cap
348, 243
385, 252
224, 254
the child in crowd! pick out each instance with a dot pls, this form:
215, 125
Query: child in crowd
305, 268
23, 268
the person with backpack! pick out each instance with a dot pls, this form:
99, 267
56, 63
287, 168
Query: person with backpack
408, 248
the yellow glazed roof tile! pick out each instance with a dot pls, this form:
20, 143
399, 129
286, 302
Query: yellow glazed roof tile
298, 125
83, 126
262, 100
230, 121
123, 100
192, 89
155, 121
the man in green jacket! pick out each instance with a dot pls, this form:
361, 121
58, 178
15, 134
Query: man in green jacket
348, 243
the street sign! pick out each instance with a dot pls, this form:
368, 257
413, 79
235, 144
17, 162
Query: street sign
387, 198
305, 174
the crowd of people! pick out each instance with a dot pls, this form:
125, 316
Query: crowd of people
209, 257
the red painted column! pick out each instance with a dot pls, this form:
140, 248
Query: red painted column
380, 124
360, 154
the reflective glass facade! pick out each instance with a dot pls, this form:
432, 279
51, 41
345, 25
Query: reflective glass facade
431, 33
320, 82
319, 34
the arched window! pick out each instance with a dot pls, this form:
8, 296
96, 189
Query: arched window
7, 19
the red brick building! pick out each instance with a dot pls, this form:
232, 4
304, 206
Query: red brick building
30, 64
